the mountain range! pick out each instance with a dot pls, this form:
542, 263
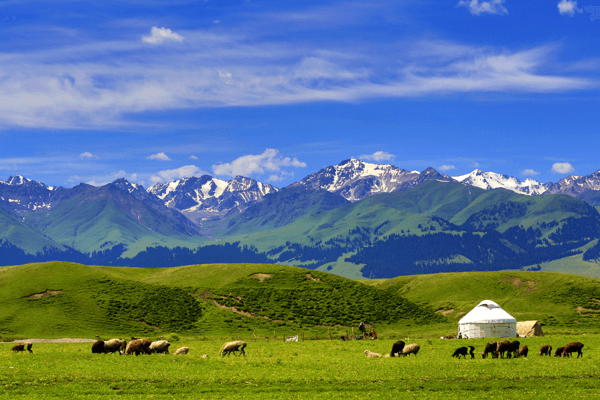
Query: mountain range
333, 219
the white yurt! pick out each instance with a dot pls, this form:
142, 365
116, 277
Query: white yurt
488, 319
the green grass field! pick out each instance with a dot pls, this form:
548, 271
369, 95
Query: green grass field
311, 369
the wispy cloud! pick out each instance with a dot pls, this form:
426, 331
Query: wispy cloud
377, 156
87, 154
159, 156
446, 167
159, 35
562, 168
169, 175
568, 7
485, 7
529, 172
251, 164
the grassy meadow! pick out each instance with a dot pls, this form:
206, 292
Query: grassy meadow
310, 369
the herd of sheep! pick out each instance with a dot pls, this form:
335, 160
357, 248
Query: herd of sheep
145, 346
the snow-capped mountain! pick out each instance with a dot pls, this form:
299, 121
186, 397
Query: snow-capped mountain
355, 180
19, 194
576, 185
492, 180
206, 198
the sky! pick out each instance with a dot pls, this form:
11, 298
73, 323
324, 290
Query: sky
154, 91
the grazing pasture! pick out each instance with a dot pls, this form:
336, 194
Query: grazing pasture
311, 369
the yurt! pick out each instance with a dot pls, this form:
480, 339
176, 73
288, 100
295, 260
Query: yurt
529, 328
488, 319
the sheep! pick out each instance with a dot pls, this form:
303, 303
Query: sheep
18, 348
29, 346
513, 349
182, 350
573, 347
370, 354
489, 348
523, 351
161, 346
462, 351
138, 346
501, 348
98, 347
397, 348
112, 345
410, 349
546, 350
558, 352
205, 356
233, 347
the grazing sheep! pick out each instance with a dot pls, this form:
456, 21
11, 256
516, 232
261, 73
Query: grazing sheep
205, 356
546, 350
18, 348
29, 346
387, 356
559, 352
397, 348
461, 351
138, 346
112, 345
513, 349
571, 348
98, 347
161, 346
410, 349
182, 350
233, 347
501, 348
370, 354
523, 351
489, 348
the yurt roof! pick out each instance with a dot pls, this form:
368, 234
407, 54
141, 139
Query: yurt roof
487, 312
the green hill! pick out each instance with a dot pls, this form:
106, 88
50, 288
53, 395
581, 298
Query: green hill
63, 299
14, 231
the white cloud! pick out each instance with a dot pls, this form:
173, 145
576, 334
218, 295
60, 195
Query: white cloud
378, 156
159, 156
562, 168
159, 35
282, 176
446, 167
193, 157
169, 175
529, 172
247, 165
568, 7
485, 7
87, 154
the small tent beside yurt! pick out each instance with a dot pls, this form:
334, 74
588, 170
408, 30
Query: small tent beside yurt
487, 319
529, 328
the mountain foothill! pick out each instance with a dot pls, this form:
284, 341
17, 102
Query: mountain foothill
355, 219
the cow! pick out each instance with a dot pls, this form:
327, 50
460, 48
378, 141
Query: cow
571, 348
546, 350
397, 348
501, 348
489, 348
523, 351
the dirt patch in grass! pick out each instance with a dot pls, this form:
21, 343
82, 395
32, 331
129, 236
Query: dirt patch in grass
312, 278
445, 312
47, 293
261, 277
586, 312
460, 313
519, 284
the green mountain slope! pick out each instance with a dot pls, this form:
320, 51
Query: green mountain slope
14, 231
98, 218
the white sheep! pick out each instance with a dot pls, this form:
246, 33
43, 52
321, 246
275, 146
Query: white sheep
411, 349
370, 354
160, 346
205, 356
233, 347
112, 345
182, 350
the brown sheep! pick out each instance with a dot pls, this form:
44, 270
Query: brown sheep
546, 350
571, 348
410, 349
559, 352
489, 348
397, 348
523, 351
18, 348
513, 349
501, 348
29, 346
139, 346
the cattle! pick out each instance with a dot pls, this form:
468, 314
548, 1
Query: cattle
501, 348
410, 349
571, 348
489, 348
513, 349
397, 348
559, 352
98, 347
138, 346
233, 347
546, 350
523, 351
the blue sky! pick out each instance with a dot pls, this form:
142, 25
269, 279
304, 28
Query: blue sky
154, 90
